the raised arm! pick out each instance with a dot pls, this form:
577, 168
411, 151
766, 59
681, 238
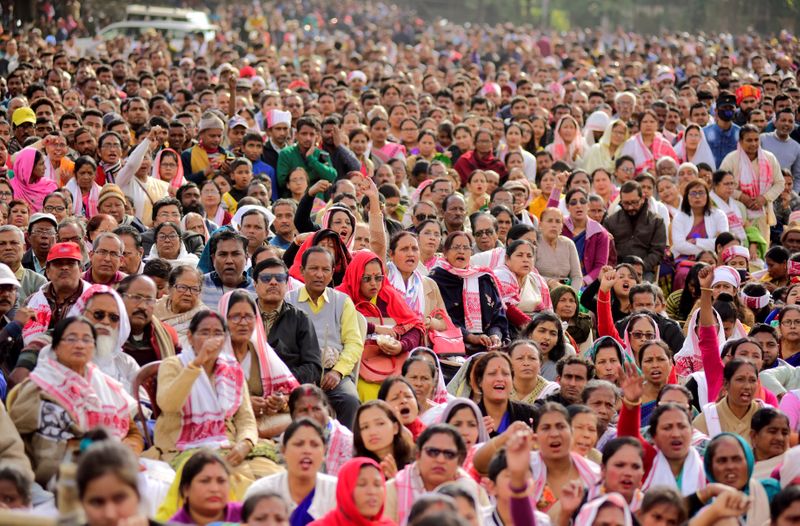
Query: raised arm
128, 172
605, 320
630, 416
709, 346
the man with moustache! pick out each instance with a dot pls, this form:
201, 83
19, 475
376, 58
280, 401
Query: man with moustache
11, 322
228, 251
150, 339
105, 310
12, 246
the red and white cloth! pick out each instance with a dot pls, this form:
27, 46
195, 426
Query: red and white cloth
693, 477
754, 184
471, 292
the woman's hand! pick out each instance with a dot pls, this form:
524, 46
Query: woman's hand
238, 453
319, 187
383, 329
571, 497
488, 422
259, 405
632, 384
389, 466
275, 402
208, 352
479, 339
518, 455
608, 277
391, 348
706, 277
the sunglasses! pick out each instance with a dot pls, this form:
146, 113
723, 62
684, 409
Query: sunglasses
424, 217
100, 315
280, 277
435, 452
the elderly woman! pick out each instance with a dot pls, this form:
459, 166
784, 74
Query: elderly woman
182, 301
169, 245
204, 401
558, 261
310, 401
526, 361
471, 295
648, 146
67, 395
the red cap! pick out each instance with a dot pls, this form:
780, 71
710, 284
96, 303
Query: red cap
68, 250
297, 84
247, 72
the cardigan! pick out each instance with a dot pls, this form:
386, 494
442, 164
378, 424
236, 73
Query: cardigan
561, 262
595, 250
716, 223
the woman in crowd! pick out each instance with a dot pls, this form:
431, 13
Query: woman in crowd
430, 234
623, 278
324, 238
69, 386
29, 183
603, 186
266, 508
167, 167
669, 194
360, 496
194, 222
466, 417
770, 437
583, 422
477, 198
204, 489
568, 144
57, 204
182, 302
513, 144
211, 199
269, 380
310, 401
694, 148
310, 493
419, 291
375, 298
98, 224
381, 436
697, 224
681, 302
85, 191
526, 362
399, 394
549, 193
108, 485
648, 145
547, 333
622, 470
722, 191
494, 378
579, 324
554, 250
523, 290
471, 295
424, 371
359, 145
169, 245
480, 158
205, 403
734, 412
605, 152
440, 452
607, 354
655, 361
777, 274
591, 239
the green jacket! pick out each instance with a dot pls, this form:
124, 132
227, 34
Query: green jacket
318, 165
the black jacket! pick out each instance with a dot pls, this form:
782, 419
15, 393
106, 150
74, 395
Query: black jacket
293, 338
669, 330
343, 160
517, 411
191, 240
270, 155
27, 260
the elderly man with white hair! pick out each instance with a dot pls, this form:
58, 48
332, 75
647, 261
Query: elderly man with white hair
12, 247
625, 104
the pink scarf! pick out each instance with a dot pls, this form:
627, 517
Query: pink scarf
207, 408
472, 297
31, 193
77, 199
409, 486
588, 471
571, 152
340, 447
275, 375
753, 184
178, 180
92, 400
646, 158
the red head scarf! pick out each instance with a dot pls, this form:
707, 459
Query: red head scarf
346, 512
341, 257
396, 305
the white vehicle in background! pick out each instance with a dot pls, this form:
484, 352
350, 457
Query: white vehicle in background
171, 23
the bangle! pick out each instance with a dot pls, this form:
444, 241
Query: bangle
706, 289
518, 492
630, 402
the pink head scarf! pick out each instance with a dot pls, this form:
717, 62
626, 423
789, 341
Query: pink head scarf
178, 180
31, 193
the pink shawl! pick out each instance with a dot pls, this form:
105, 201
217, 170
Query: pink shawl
31, 193
646, 158
340, 447
571, 152
77, 198
472, 297
178, 180
751, 183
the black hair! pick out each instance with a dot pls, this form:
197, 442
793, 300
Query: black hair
559, 349
127, 230
252, 502
194, 466
180, 270
483, 363
517, 231
443, 429
402, 448
662, 495
314, 250
675, 387
268, 263
760, 328
225, 235
783, 501
20, 480
764, 417
165, 201
778, 254
157, 268
660, 409
618, 443
418, 359
574, 359
103, 458
548, 407
296, 425
691, 290
387, 385
198, 318
732, 366
63, 324
418, 515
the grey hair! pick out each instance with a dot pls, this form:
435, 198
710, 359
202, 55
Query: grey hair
107, 235
286, 202
624, 94
15, 229
596, 385
666, 160
687, 164
73, 221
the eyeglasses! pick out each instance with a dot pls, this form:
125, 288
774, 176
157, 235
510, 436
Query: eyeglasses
167, 237
697, 194
103, 253
136, 298
100, 315
639, 335
74, 340
578, 202
481, 233
376, 279
183, 289
54, 209
425, 217
280, 277
239, 318
435, 452
790, 323
630, 204
6, 194
461, 248
43, 233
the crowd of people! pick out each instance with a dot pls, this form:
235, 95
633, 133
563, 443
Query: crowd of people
367, 269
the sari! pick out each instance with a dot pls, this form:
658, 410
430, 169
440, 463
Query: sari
341, 255
30, 192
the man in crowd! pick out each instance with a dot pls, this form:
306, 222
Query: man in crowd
105, 260
12, 244
305, 154
228, 250
782, 146
150, 339
41, 236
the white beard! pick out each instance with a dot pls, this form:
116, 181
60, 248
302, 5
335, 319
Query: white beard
106, 345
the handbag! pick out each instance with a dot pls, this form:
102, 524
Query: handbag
449, 341
376, 365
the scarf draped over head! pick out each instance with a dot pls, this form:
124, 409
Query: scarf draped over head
473, 318
341, 254
568, 152
589, 511
597, 122
79, 309
206, 410
92, 400
416, 195
439, 395
185, 219
31, 193
396, 307
178, 180
275, 375
327, 219
702, 154
456, 404
750, 183
460, 385
346, 512
77, 198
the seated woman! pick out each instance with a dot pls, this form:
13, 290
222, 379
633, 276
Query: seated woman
770, 437
681, 301
424, 373
109, 473
430, 234
65, 396
622, 472
655, 361
168, 246
647, 146
526, 361
471, 295
568, 144
603, 153
360, 496
440, 452
591, 239
396, 329
310, 401
584, 423
29, 183
203, 502
607, 355
494, 377
381, 436
734, 412
265, 508
326, 239
85, 191
558, 261
621, 307
579, 324
399, 394
466, 417
547, 333
182, 301
522, 288
269, 380
310, 494
204, 402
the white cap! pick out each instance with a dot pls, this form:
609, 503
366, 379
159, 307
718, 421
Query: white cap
275, 117
7, 276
